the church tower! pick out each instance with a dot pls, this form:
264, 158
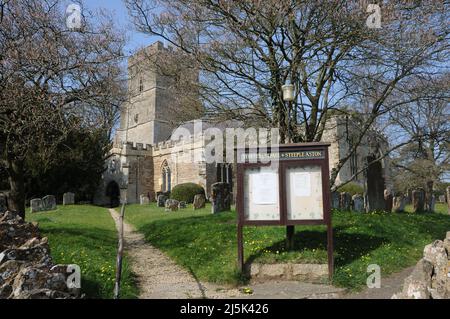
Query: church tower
146, 117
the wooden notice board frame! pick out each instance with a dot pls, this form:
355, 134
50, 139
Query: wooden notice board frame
287, 156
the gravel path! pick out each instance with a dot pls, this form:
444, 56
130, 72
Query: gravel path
158, 277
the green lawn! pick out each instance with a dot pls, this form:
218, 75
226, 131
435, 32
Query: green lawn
206, 244
86, 236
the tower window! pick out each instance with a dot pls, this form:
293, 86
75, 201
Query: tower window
136, 118
141, 84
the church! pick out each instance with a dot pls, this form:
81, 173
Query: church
144, 160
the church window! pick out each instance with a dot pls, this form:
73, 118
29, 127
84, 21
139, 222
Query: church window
141, 84
354, 161
166, 178
225, 174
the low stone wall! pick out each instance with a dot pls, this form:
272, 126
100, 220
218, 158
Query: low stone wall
313, 273
430, 278
26, 268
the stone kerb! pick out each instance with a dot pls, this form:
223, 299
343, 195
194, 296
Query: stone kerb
312, 273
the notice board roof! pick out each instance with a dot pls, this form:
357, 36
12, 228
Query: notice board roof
288, 146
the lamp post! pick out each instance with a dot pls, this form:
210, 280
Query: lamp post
288, 97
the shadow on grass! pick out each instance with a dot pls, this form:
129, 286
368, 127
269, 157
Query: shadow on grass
347, 246
94, 234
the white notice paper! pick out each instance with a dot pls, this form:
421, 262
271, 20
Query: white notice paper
264, 190
302, 184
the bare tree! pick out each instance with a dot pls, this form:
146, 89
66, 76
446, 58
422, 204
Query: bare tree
425, 122
246, 50
52, 80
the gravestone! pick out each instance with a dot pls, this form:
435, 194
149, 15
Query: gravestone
431, 204
358, 203
3, 203
171, 205
144, 200
398, 203
448, 198
181, 205
345, 201
48, 203
441, 198
418, 200
220, 197
335, 199
375, 185
387, 200
199, 201
69, 199
36, 205
161, 200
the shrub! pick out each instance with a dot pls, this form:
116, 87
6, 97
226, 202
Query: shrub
186, 192
352, 188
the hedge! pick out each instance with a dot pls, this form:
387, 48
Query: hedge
186, 192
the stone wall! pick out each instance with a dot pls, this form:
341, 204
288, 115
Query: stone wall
430, 278
26, 267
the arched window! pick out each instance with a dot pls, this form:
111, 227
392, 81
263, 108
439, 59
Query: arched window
141, 84
166, 178
225, 174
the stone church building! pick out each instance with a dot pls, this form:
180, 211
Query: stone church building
144, 160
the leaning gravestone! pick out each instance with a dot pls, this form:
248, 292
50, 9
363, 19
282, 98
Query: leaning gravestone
335, 199
220, 197
398, 203
358, 203
161, 200
171, 205
448, 198
68, 198
418, 200
181, 205
144, 200
431, 204
345, 201
387, 200
49, 203
3, 203
36, 205
199, 201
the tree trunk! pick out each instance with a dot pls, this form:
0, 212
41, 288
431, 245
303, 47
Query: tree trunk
429, 196
16, 198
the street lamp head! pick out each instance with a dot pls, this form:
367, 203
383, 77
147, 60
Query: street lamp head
288, 92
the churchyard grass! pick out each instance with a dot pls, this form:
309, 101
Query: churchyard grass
86, 235
205, 244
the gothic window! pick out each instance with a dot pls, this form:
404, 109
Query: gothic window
225, 174
141, 84
353, 161
166, 178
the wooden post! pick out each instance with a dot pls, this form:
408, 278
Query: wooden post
290, 230
119, 255
330, 249
240, 247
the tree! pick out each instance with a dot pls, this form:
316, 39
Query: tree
246, 51
77, 166
53, 80
425, 122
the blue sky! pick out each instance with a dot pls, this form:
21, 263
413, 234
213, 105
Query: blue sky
118, 9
